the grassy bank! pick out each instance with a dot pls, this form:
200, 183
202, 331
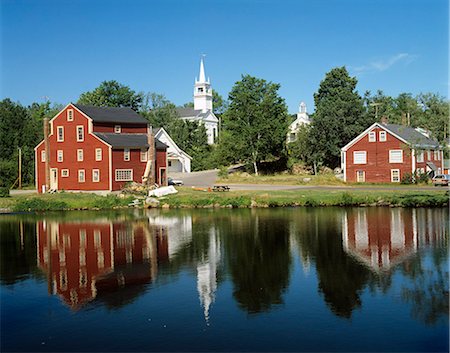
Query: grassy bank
188, 198
309, 198
62, 201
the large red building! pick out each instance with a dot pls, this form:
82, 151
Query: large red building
98, 149
387, 152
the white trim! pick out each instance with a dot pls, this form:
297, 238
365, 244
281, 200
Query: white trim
84, 175
77, 135
395, 170
43, 155
123, 170
413, 161
62, 173
126, 155
345, 166
98, 173
59, 128
179, 150
110, 168
362, 134
379, 136
391, 158
360, 153
36, 171
96, 154
58, 154
80, 150
363, 176
372, 134
117, 129
68, 114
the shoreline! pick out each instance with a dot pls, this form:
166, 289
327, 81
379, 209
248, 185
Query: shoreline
189, 198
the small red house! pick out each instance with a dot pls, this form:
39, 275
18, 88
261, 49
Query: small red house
387, 152
98, 149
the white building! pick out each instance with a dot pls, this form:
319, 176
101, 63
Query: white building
302, 119
177, 160
203, 107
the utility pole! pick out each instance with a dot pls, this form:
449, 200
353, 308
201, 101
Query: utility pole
376, 109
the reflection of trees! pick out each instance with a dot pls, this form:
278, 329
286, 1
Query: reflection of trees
341, 278
259, 259
17, 250
428, 295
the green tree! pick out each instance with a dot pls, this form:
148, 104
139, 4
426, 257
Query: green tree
435, 113
112, 94
159, 111
219, 104
256, 121
338, 117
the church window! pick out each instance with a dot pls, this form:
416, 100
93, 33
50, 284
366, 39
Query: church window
200, 89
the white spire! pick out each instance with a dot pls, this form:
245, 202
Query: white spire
201, 77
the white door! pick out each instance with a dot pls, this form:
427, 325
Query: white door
54, 179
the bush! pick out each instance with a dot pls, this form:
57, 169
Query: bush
223, 172
4, 192
407, 178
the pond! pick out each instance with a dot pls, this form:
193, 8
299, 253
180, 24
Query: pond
294, 279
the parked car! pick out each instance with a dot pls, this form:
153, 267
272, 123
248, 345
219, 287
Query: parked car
441, 180
175, 182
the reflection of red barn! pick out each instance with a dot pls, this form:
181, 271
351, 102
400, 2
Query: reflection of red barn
379, 241
76, 256
98, 149
86, 259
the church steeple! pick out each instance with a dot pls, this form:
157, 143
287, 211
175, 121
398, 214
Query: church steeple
202, 91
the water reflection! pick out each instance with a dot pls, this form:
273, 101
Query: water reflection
114, 260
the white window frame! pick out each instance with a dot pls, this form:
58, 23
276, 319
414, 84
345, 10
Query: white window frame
372, 136
80, 128
126, 155
123, 174
117, 129
363, 176
69, 114
392, 175
80, 155
360, 153
144, 155
94, 171
392, 159
382, 136
437, 155
428, 155
98, 154
43, 156
420, 157
81, 175
60, 156
60, 134
64, 173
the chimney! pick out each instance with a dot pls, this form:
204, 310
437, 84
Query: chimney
384, 120
151, 155
47, 156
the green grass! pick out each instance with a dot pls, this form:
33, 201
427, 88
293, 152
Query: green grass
309, 198
189, 198
62, 201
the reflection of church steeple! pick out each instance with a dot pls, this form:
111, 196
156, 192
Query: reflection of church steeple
207, 274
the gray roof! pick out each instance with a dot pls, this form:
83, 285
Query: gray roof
187, 112
410, 135
128, 140
112, 114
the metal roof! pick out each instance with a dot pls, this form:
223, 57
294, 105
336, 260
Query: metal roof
112, 114
187, 112
411, 135
128, 140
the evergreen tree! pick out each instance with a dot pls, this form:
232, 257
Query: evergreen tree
338, 117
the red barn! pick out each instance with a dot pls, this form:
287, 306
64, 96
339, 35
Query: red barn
98, 149
387, 152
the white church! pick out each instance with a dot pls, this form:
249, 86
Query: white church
203, 106
302, 119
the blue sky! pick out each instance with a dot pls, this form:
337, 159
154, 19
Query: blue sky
59, 49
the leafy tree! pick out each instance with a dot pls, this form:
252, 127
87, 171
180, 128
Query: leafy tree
256, 121
378, 106
112, 94
219, 104
159, 111
338, 117
435, 113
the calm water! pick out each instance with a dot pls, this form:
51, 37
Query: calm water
355, 279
